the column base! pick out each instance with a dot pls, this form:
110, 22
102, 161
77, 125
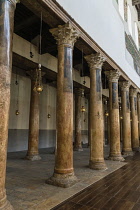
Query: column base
127, 153
62, 180
79, 149
116, 157
97, 165
7, 206
32, 157
136, 149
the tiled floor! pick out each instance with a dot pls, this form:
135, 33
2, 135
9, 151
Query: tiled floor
118, 191
25, 183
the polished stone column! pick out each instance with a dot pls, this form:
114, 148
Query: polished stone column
95, 62
33, 139
134, 116
138, 97
126, 125
88, 96
7, 9
63, 175
78, 137
115, 154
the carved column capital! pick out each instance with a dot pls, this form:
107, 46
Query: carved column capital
133, 92
95, 61
138, 96
65, 34
125, 85
14, 1
113, 75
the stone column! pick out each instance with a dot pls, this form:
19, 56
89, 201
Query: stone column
88, 96
78, 143
114, 118
138, 97
33, 139
126, 125
63, 175
95, 62
134, 123
7, 9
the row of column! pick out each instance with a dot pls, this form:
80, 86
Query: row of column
63, 175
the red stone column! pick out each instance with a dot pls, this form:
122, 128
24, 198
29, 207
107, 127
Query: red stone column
114, 118
7, 9
33, 140
63, 175
138, 97
134, 123
78, 140
126, 125
95, 62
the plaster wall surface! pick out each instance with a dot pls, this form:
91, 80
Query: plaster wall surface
102, 21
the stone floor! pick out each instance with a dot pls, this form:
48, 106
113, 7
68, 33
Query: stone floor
25, 182
117, 191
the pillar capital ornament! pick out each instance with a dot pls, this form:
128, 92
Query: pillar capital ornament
133, 92
95, 61
125, 85
113, 75
138, 97
65, 34
14, 1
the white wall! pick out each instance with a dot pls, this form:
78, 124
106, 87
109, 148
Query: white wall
101, 20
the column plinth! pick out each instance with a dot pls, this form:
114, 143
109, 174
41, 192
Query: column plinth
126, 125
134, 122
78, 141
63, 175
115, 153
33, 140
95, 62
7, 10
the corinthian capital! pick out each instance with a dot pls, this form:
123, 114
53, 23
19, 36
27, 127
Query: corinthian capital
14, 1
65, 34
113, 75
133, 92
125, 85
95, 61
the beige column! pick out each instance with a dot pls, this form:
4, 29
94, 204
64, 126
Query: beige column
78, 143
138, 97
134, 116
126, 125
88, 95
95, 62
115, 153
33, 139
63, 175
7, 9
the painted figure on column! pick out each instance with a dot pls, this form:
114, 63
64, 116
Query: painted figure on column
95, 62
134, 122
115, 153
63, 175
126, 125
7, 9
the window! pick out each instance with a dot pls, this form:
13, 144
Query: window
136, 35
121, 8
129, 19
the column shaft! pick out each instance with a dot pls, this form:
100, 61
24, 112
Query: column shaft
134, 122
78, 142
96, 113
139, 115
33, 140
115, 153
126, 125
7, 9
